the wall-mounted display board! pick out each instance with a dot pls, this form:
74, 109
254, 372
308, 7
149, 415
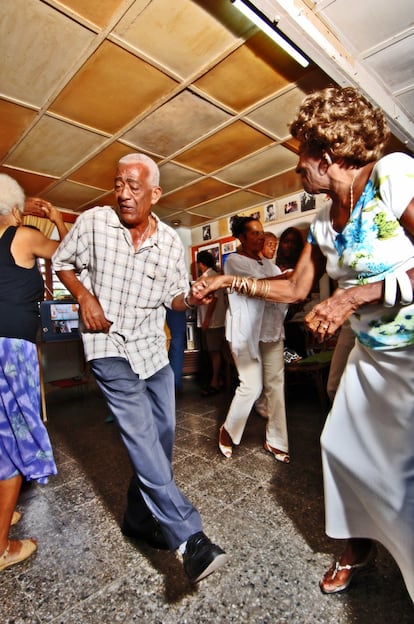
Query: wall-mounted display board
219, 249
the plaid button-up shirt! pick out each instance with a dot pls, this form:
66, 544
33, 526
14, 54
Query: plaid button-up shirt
132, 286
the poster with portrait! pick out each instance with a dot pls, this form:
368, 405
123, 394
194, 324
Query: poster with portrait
214, 249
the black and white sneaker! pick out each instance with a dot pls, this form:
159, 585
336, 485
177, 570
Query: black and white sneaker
202, 557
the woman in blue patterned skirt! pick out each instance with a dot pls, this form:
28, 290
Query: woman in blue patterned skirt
25, 450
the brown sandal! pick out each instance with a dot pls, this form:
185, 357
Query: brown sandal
280, 456
10, 557
352, 571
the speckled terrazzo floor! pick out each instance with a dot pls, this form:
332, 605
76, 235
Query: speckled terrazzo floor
268, 516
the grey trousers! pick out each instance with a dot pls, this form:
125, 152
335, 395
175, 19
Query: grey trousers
144, 410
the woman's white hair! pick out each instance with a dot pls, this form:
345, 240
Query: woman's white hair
153, 171
11, 195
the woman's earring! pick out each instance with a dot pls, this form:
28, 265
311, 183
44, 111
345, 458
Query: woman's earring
327, 158
325, 163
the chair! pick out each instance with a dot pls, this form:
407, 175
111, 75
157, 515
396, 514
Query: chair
315, 365
61, 359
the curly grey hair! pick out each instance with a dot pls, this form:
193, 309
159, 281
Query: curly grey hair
11, 195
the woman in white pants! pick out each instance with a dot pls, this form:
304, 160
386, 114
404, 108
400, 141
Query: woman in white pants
254, 330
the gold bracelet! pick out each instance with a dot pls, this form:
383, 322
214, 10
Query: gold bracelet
247, 286
242, 285
233, 286
266, 289
253, 287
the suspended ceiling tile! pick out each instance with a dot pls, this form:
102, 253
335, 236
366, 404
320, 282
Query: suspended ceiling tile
106, 199
43, 41
259, 166
275, 116
173, 176
197, 193
279, 185
71, 196
31, 183
186, 219
18, 119
183, 35
53, 147
394, 64
228, 204
162, 212
192, 118
250, 74
38, 45
224, 147
111, 89
98, 13
363, 23
99, 171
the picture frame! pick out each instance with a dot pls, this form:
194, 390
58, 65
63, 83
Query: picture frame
228, 247
307, 202
206, 232
270, 212
289, 207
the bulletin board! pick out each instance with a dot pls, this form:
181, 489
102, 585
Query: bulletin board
219, 248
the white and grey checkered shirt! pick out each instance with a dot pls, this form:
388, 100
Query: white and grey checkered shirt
132, 286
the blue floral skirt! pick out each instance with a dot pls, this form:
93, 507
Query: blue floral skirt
24, 442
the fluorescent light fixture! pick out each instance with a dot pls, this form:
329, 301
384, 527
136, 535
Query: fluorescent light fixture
270, 29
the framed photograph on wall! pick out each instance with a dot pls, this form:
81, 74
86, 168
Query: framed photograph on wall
270, 212
228, 247
307, 202
289, 207
230, 223
206, 229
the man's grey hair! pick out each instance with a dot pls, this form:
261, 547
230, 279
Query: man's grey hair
11, 195
153, 171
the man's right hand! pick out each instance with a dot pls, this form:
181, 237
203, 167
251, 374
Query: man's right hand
92, 314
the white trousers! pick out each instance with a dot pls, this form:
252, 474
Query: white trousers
267, 373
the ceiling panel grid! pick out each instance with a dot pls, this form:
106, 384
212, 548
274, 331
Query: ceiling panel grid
191, 83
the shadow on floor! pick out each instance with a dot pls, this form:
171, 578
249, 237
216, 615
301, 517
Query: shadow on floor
268, 516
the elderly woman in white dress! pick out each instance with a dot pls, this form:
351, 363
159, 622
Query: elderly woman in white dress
364, 241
